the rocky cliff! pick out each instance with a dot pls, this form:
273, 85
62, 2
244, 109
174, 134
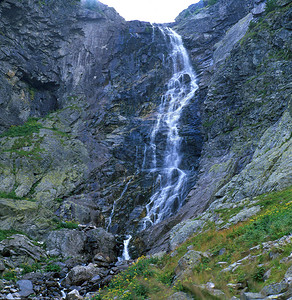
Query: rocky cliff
79, 97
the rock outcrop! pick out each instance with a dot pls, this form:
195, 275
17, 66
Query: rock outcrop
79, 96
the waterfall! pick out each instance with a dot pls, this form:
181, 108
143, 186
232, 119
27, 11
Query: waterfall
115, 203
126, 255
170, 180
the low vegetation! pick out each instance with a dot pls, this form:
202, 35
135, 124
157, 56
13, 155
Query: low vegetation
27, 129
153, 278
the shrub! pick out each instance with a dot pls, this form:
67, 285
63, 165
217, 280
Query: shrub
67, 224
30, 268
52, 268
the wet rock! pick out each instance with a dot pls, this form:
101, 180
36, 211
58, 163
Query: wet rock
25, 287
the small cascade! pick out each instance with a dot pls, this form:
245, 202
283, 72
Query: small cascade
164, 166
125, 254
115, 203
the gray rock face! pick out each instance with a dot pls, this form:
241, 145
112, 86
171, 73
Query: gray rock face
80, 274
179, 296
74, 295
233, 35
20, 249
245, 214
25, 287
66, 242
251, 296
274, 289
95, 82
187, 262
182, 231
76, 243
95, 78
245, 114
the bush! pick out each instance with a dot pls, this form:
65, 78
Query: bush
52, 268
67, 224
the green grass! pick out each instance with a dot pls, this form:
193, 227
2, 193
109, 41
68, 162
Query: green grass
67, 224
12, 195
4, 234
155, 279
27, 129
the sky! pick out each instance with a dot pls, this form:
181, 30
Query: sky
154, 11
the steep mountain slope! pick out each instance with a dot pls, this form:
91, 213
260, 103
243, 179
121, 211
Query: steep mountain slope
79, 98
246, 111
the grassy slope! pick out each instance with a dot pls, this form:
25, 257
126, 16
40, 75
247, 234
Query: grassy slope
152, 278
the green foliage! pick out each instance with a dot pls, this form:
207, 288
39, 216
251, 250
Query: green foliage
12, 195
67, 224
166, 277
30, 268
27, 129
153, 278
272, 224
32, 93
271, 5
52, 268
59, 200
259, 274
10, 275
4, 234
141, 291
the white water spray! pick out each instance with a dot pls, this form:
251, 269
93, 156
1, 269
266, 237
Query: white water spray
126, 255
170, 179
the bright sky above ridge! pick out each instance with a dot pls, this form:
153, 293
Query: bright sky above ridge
155, 11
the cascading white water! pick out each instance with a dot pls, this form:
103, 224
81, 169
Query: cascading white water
126, 255
170, 180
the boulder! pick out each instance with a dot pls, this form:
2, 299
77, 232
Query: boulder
20, 249
251, 296
99, 241
183, 231
188, 261
288, 276
66, 242
179, 296
245, 214
274, 289
80, 274
74, 295
25, 287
